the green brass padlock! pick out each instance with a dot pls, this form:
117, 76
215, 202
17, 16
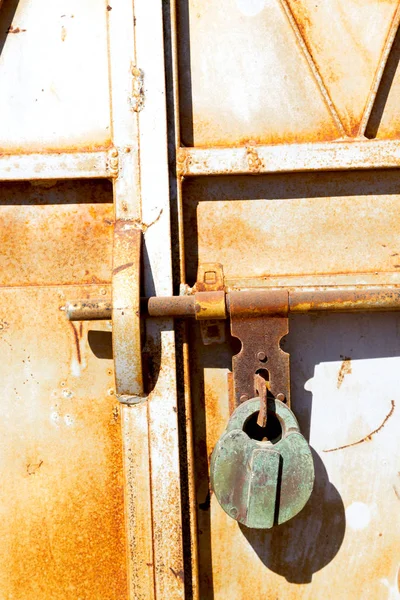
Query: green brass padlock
260, 477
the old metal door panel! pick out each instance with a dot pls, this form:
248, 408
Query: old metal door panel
66, 226
360, 30
54, 92
344, 393
62, 525
262, 88
322, 223
278, 76
76, 76
258, 87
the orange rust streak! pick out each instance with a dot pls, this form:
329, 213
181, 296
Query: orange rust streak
76, 339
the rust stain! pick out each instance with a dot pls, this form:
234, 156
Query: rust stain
76, 339
12, 29
145, 226
178, 574
71, 149
137, 96
64, 536
122, 268
369, 436
345, 369
32, 468
61, 235
3, 325
254, 161
63, 33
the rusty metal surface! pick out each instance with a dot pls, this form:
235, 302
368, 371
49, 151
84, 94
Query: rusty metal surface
350, 84
61, 459
60, 165
326, 96
56, 232
283, 80
166, 509
282, 226
54, 61
248, 303
286, 158
211, 281
234, 96
172, 306
258, 303
91, 309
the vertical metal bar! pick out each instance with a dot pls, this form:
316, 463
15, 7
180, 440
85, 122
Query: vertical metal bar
162, 402
186, 365
179, 179
124, 159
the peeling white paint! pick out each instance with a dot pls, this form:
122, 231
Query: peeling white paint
250, 8
75, 368
358, 515
68, 420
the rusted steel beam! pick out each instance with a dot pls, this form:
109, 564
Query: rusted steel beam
280, 158
249, 303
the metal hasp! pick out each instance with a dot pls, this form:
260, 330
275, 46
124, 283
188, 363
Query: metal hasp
260, 328
262, 476
262, 470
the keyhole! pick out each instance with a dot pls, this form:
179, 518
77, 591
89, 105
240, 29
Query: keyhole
272, 432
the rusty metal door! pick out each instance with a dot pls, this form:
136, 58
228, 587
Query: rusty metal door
76, 497
287, 127
260, 135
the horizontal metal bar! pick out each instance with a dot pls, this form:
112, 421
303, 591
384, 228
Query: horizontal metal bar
282, 158
57, 165
251, 303
342, 300
101, 309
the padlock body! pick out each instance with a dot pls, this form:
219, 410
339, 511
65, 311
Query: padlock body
262, 483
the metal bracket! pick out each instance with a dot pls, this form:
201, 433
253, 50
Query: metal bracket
210, 278
260, 332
